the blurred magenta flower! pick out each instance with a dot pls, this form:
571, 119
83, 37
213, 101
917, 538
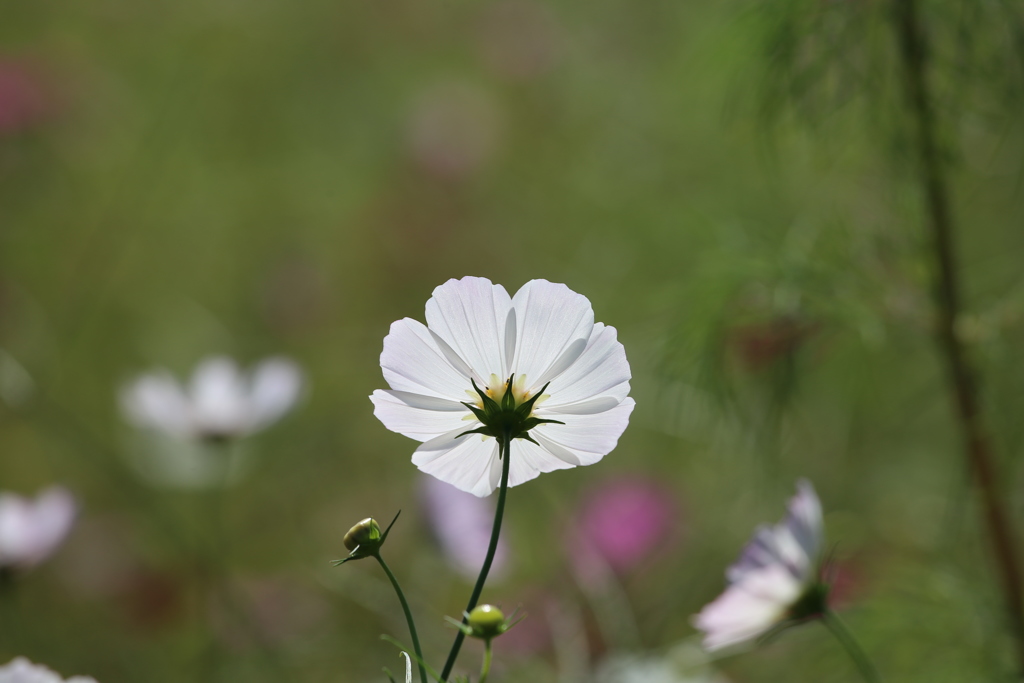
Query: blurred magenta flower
20, 670
775, 579
220, 403
23, 101
461, 522
620, 523
545, 340
31, 530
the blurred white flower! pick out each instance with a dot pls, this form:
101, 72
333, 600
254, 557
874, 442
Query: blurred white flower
776, 578
20, 670
220, 403
685, 663
31, 530
462, 524
545, 336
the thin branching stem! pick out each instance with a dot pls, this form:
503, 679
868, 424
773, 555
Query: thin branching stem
962, 376
491, 548
408, 616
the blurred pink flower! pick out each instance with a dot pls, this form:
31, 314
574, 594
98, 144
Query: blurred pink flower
20, 670
462, 523
620, 523
22, 98
31, 530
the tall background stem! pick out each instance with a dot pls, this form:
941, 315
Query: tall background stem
962, 376
506, 448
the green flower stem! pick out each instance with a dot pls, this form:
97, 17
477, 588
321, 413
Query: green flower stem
845, 638
486, 668
482, 578
408, 616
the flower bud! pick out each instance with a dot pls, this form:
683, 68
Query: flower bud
366, 533
365, 539
486, 622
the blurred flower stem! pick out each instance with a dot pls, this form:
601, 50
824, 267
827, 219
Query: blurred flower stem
485, 669
506, 448
963, 379
408, 615
846, 639
11, 626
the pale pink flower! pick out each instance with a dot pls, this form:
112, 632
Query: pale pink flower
775, 579
462, 523
32, 530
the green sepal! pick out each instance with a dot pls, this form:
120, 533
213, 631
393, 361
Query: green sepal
526, 407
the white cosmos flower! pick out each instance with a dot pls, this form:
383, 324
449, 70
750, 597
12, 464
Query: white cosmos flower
476, 333
20, 670
775, 579
31, 530
220, 402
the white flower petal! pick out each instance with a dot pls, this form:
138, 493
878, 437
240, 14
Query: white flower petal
759, 552
591, 406
549, 317
469, 463
20, 670
419, 417
471, 315
601, 370
805, 520
749, 608
408, 668
15, 528
31, 530
54, 513
275, 387
530, 461
158, 402
219, 402
794, 543
590, 437
412, 362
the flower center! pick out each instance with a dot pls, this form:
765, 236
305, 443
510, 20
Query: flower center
505, 409
497, 388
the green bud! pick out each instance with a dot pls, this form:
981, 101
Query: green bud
365, 539
366, 533
486, 622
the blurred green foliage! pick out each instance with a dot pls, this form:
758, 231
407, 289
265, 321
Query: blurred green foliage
270, 177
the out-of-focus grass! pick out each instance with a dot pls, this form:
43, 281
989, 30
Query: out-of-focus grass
261, 178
